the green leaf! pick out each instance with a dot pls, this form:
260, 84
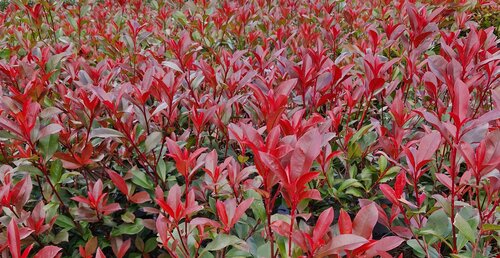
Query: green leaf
161, 169
62, 236
419, 251
438, 227
351, 182
390, 174
128, 229
65, 222
56, 170
152, 141
360, 133
382, 163
128, 217
491, 227
180, 17
354, 192
141, 179
223, 240
49, 145
264, 250
258, 209
150, 245
465, 229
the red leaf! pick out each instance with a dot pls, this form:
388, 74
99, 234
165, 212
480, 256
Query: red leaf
400, 184
27, 251
118, 181
376, 84
13, 239
427, 147
345, 223
340, 243
48, 252
140, 197
306, 150
123, 249
323, 224
460, 101
221, 212
389, 193
365, 220
274, 165
305, 178
240, 210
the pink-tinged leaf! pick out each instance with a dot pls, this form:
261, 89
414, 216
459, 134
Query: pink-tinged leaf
118, 181
13, 239
204, 221
402, 231
48, 252
312, 194
80, 199
427, 147
49, 129
460, 101
173, 148
306, 150
274, 165
24, 232
433, 120
340, 243
96, 189
119, 246
221, 212
174, 197
163, 229
272, 138
99, 253
468, 154
444, 179
489, 152
240, 210
484, 119
10, 126
345, 223
110, 208
285, 87
389, 193
365, 221
323, 224
140, 197
124, 248
21, 191
438, 64
299, 238
383, 245
211, 161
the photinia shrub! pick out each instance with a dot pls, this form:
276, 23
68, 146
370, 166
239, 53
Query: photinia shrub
277, 128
